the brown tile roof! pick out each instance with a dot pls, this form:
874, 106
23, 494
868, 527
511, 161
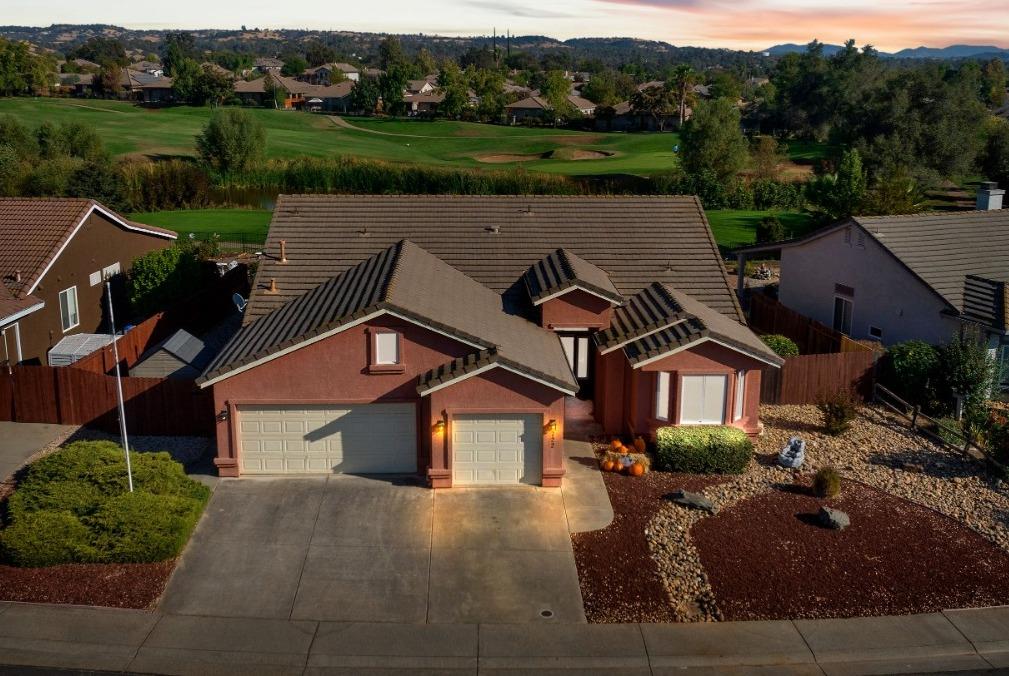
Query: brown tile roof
561, 269
11, 306
495, 239
410, 282
250, 86
666, 319
34, 230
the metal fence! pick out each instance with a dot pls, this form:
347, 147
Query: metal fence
233, 242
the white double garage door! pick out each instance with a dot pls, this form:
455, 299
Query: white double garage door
382, 439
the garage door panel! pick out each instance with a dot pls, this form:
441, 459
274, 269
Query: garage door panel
363, 439
500, 449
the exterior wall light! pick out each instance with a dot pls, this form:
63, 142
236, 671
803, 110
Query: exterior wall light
439, 427
223, 415
552, 430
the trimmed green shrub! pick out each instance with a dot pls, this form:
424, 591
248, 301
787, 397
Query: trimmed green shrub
770, 229
909, 370
783, 346
703, 450
826, 483
74, 507
838, 409
46, 538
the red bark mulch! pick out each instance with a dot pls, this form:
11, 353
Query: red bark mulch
128, 585
619, 579
766, 558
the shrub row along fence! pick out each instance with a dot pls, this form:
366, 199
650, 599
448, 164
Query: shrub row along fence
769, 316
808, 378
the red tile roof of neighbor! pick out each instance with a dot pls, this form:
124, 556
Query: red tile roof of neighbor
33, 232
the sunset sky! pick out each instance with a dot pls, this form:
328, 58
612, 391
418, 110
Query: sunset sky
741, 24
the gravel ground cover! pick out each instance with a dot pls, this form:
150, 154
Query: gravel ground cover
767, 559
912, 482
132, 585
620, 580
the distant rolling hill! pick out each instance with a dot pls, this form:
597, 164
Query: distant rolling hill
951, 52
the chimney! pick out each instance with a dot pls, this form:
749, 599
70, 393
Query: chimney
989, 196
283, 251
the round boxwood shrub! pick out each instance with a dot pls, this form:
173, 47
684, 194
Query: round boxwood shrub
826, 483
703, 450
911, 370
783, 346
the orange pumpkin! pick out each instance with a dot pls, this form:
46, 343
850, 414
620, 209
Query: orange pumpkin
616, 444
639, 445
608, 465
637, 469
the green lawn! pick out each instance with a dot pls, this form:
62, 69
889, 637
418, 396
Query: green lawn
734, 228
731, 228
253, 223
132, 130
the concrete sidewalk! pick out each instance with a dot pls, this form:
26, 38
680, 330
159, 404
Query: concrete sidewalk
145, 642
20, 441
586, 501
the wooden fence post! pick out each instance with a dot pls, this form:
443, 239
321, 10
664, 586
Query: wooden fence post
914, 416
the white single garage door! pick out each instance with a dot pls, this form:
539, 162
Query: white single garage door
702, 400
353, 439
497, 449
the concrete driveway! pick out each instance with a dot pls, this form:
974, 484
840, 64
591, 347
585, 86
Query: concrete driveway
20, 441
345, 548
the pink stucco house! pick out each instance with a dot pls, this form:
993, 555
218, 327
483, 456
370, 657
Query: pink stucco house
443, 336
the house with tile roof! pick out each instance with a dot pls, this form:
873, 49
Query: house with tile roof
55, 254
445, 335
897, 278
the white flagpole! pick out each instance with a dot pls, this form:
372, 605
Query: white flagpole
119, 387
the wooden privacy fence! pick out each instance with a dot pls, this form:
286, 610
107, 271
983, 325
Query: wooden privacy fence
769, 316
69, 396
806, 378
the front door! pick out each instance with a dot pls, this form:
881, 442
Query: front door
578, 348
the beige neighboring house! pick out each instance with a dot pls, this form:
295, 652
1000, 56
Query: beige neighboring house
251, 92
538, 107
424, 86
897, 278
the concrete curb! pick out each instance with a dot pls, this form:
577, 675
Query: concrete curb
152, 642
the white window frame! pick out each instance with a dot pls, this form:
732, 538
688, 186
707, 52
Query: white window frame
851, 314
77, 309
385, 360
663, 382
739, 394
875, 332
724, 398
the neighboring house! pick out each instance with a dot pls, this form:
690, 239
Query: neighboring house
251, 92
148, 67
54, 255
415, 87
298, 94
328, 73
423, 104
897, 278
268, 65
539, 108
622, 117
446, 343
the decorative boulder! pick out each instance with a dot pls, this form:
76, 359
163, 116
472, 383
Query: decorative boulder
833, 518
793, 455
692, 500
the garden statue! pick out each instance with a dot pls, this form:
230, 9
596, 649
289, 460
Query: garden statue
794, 454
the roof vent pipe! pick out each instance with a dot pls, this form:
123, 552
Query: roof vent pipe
17, 276
494, 229
283, 251
273, 285
989, 196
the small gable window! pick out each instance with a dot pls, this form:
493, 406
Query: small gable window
387, 352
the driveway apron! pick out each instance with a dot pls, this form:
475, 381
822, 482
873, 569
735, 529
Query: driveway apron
358, 549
